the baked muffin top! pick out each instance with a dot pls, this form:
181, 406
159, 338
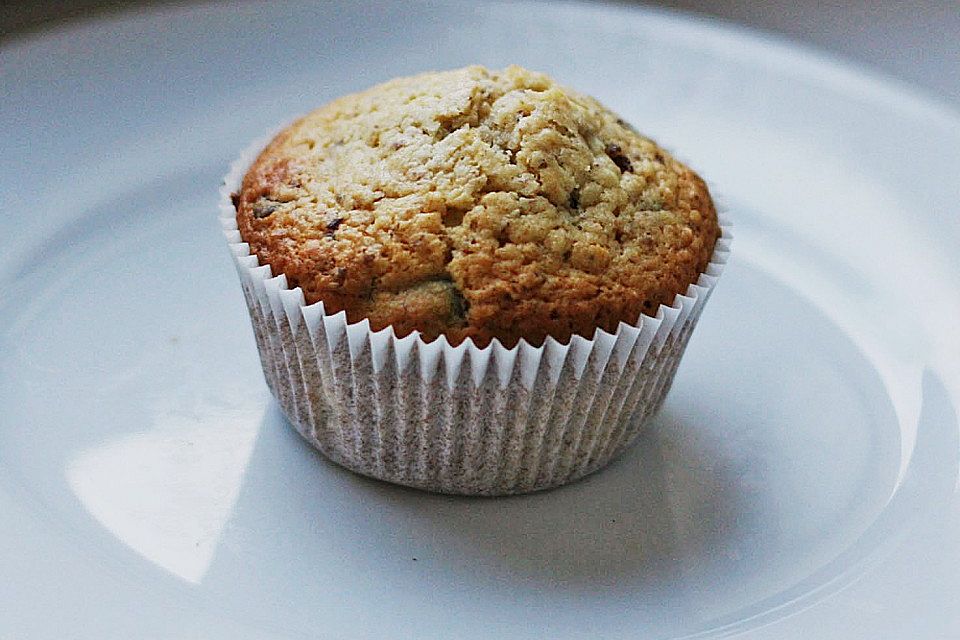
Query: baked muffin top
477, 204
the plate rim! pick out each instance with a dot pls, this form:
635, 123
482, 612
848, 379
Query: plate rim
788, 52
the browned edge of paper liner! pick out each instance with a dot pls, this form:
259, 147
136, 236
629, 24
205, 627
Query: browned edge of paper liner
460, 419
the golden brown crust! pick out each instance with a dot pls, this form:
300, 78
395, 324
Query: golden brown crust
479, 204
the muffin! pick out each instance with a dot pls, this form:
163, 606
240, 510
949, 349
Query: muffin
471, 281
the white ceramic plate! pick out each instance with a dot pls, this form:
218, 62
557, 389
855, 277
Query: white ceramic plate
801, 481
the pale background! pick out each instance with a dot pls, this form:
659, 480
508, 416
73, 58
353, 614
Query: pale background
915, 41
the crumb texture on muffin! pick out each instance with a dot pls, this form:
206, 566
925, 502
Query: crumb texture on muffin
477, 203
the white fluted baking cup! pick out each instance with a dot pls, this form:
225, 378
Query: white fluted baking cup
462, 420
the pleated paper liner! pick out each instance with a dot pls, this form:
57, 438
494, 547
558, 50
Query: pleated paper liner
460, 420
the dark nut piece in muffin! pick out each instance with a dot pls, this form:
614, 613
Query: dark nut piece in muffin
476, 203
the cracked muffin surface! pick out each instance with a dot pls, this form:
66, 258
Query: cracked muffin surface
477, 204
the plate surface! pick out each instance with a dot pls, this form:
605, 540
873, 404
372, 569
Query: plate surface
800, 482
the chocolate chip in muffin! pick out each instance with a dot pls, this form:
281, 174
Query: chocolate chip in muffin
619, 158
459, 306
333, 225
264, 207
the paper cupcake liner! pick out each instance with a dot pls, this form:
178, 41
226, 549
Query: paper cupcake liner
460, 419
